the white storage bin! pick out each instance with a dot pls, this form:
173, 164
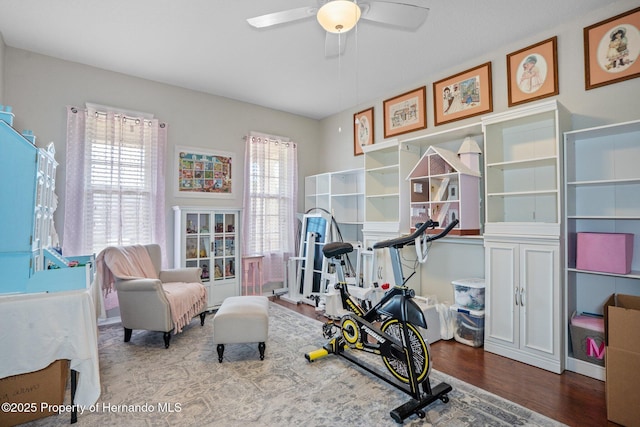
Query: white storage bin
469, 293
432, 333
468, 326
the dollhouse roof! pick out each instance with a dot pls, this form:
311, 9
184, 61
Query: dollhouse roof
469, 145
448, 156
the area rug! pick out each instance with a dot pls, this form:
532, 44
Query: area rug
144, 384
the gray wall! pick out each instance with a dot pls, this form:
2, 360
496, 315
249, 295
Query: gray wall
460, 258
609, 104
40, 87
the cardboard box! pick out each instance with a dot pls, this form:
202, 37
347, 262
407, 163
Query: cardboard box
33, 388
605, 252
622, 361
587, 343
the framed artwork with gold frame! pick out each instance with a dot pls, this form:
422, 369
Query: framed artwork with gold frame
463, 95
405, 113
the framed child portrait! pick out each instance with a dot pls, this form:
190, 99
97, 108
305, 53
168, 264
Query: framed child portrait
611, 50
533, 72
362, 130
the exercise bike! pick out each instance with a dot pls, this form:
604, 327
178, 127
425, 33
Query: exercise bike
389, 329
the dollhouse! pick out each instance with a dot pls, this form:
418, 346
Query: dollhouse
446, 186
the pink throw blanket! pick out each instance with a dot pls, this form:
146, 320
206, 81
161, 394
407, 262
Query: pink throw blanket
186, 300
124, 262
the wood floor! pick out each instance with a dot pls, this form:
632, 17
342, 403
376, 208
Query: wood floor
570, 398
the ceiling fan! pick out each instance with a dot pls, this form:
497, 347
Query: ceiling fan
337, 17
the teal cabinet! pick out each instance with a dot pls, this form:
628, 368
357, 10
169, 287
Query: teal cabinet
27, 186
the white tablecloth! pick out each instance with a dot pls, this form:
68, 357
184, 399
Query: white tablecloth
37, 329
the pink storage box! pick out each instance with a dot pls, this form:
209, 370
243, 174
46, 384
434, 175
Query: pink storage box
587, 338
605, 252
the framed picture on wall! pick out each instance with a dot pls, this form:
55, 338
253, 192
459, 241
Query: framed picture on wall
463, 95
405, 113
533, 72
203, 173
611, 50
362, 130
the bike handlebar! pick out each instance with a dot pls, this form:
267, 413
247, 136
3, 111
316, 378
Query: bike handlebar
444, 232
400, 242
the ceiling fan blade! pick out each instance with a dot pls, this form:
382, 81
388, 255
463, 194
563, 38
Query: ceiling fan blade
334, 44
283, 17
405, 16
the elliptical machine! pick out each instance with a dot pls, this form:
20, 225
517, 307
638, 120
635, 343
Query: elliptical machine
390, 329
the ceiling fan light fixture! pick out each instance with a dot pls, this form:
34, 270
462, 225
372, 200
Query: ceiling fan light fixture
339, 16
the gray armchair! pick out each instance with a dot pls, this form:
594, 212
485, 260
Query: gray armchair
145, 303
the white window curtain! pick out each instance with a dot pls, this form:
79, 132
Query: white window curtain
114, 189
270, 201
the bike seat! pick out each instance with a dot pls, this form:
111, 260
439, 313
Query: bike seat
335, 249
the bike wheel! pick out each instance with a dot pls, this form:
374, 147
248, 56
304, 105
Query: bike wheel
421, 358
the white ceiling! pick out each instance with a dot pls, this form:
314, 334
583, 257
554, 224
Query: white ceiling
207, 45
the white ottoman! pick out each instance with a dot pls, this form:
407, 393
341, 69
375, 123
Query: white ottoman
242, 319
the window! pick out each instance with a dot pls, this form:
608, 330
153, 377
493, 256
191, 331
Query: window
271, 178
118, 188
114, 186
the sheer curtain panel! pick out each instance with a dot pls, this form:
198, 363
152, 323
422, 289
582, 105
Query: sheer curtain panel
270, 201
114, 188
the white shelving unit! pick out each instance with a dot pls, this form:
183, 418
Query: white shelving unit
317, 190
209, 239
341, 194
347, 196
386, 165
524, 317
386, 202
602, 194
523, 169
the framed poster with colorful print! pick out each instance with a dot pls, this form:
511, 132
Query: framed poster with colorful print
203, 173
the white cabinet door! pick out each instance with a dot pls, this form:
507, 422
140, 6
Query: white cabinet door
502, 311
539, 299
523, 302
